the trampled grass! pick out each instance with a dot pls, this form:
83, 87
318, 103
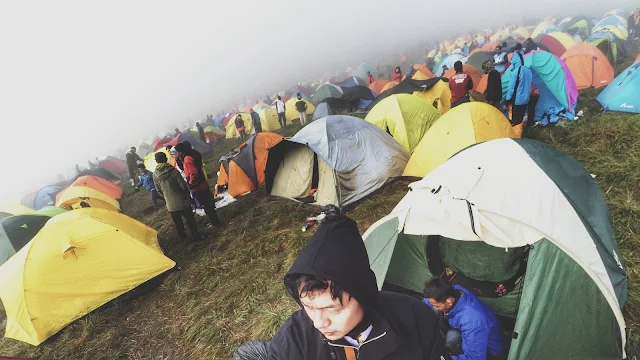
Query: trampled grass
229, 290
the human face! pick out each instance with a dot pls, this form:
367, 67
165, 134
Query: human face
444, 307
332, 318
498, 50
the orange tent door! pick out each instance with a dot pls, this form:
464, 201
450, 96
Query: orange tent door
239, 182
99, 184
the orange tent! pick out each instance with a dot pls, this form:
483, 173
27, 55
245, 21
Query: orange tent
476, 75
389, 85
242, 170
425, 70
637, 59
99, 184
589, 66
476, 50
378, 85
482, 84
490, 46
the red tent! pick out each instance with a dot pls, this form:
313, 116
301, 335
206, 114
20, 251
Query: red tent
114, 165
159, 144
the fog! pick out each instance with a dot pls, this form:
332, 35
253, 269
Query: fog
81, 79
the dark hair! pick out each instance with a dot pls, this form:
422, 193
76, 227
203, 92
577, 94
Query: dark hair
182, 147
141, 166
458, 66
298, 94
500, 47
504, 44
299, 285
518, 46
160, 157
439, 290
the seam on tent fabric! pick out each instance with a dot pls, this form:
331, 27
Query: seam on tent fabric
395, 234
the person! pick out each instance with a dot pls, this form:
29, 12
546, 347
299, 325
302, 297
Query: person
505, 48
342, 313
201, 132
197, 182
301, 107
255, 120
146, 180
500, 60
460, 85
518, 49
281, 110
472, 330
176, 132
494, 84
529, 46
465, 49
132, 164
240, 128
397, 74
370, 78
520, 81
410, 71
171, 186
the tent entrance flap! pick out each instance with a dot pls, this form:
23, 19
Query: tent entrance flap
294, 174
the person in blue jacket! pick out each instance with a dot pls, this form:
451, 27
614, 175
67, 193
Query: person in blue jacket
473, 331
520, 81
146, 180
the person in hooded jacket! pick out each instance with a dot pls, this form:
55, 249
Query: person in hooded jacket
343, 316
171, 186
255, 119
518, 94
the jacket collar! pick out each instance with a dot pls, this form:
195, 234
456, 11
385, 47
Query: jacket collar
460, 304
381, 341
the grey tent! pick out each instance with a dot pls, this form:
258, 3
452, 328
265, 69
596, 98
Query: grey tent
200, 146
334, 160
323, 109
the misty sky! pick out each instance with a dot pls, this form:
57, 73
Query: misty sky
79, 79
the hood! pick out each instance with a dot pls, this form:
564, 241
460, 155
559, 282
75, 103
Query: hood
517, 59
164, 170
336, 252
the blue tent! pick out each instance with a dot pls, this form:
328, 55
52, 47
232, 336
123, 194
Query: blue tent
448, 62
612, 20
41, 198
217, 119
352, 81
623, 94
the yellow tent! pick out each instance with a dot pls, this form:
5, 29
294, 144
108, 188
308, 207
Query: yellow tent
14, 208
520, 33
438, 95
419, 75
565, 39
231, 125
464, 125
292, 113
269, 119
539, 29
78, 261
77, 197
150, 160
406, 117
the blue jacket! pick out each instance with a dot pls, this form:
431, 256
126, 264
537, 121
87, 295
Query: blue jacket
480, 328
146, 180
524, 86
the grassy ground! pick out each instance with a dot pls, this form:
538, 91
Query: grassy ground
230, 290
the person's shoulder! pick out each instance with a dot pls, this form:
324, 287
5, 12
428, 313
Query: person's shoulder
297, 330
397, 303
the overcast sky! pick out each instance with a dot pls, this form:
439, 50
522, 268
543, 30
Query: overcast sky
79, 79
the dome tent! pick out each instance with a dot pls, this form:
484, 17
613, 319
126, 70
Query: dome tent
116, 165
457, 222
462, 126
342, 158
199, 145
291, 112
232, 132
99, 184
326, 91
77, 197
269, 119
406, 117
589, 66
41, 198
623, 94
323, 109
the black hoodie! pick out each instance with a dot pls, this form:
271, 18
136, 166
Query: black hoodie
403, 327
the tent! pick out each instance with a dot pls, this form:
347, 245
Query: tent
14, 208
438, 95
99, 172
637, 59
618, 12
160, 143
448, 63
476, 75
478, 58
114, 165
232, 132
261, 105
142, 150
556, 43
378, 85
104, 186
352, 81
553, 79
612, 20
77, 197
609, 44
78, 261
541, 259
361, 72
292, 114
220, 121
41, 198
356, 97
212, 133
543, 28
326, 91
200, 146
462, 126
520, 33
323, 109
579, 25
269, 119
425, 71
17, 231
303, 90
150, 160
623, 92
334, 160
242, 170
589, 66
409, 86
406, 117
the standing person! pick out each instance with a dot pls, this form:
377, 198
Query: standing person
176, 132
201, 132
410, 71
500, 60
529, 46
240, 127
460, 84
531, 109
397, 74
146, 180
255, 120
342, 313
465, 50
170, 185
132, 164
194, 172
520, 81
281, 110
494, 84
370, 78
301, 106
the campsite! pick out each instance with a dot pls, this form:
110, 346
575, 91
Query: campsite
90, 269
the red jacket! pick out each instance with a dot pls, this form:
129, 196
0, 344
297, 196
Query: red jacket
195, 177
460, 85
397, 76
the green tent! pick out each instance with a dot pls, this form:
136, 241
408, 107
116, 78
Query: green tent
326, 91
527, 229
406, 117
16, 231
